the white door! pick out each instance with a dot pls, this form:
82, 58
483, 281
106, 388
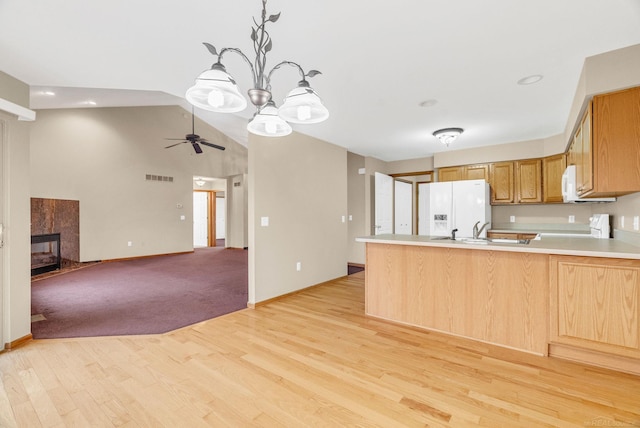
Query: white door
2, 196
471, 205
383, 203
423, 209
403, 207
200, 219
221, 214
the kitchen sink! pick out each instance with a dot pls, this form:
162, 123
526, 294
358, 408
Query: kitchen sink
483, 241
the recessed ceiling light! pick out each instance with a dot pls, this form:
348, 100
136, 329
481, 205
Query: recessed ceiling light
428, 103
48, 93
89, 103
530, 80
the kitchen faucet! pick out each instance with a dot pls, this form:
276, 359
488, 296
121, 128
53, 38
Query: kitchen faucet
453, 234
477, 232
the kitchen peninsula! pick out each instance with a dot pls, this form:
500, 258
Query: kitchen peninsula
575, 298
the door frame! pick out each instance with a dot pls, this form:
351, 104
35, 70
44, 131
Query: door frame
211, 216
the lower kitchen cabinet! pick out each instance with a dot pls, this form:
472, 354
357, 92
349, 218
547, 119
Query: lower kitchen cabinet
595, 311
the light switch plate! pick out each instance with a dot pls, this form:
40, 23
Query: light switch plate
636, 222
572, 219
264, 221
512, 219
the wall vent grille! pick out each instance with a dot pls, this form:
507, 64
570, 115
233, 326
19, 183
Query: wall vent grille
154, 177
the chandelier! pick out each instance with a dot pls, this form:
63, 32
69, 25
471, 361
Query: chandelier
215, 90
447, 135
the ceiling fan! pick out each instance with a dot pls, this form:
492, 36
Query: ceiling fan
194, 139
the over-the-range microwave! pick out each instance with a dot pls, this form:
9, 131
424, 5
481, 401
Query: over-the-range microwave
569, 191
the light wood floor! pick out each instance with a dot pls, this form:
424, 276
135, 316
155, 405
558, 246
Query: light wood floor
311, 359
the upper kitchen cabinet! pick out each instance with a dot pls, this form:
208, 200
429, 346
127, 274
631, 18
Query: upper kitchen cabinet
477, 172
451, 173
464, 172
606, 145
580, 152
528, 181
501, 179
552, 169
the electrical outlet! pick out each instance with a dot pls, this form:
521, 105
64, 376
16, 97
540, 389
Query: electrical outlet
512, 219
298, 266
344, 219
572, 219
129, 244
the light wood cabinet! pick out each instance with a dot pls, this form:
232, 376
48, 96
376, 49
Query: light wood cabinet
595, 306
511, 235
464, 172
477, 172
606, 144
552, 169
451, 173
616, 143
528, 181
501, 180
580, 153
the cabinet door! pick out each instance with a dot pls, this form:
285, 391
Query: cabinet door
451, 173
552, 169
595, 304
586, 161
529, 181
616, 142
502, 185
477, 172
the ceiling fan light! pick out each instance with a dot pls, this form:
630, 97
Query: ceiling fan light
303, 105
216, 91
267, 123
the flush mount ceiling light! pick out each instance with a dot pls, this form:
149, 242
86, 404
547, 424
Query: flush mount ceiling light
200, 182
215, 90
447, 135
530, 80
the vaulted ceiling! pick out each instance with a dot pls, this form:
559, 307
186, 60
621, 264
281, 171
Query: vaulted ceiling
392, 72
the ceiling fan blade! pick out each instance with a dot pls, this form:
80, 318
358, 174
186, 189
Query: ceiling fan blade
174, 139
196, 147
215, 146
172, 145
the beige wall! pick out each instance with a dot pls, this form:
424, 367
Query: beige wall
14, 90
356, 208
100, 156
15, 283
300, 184
610, 71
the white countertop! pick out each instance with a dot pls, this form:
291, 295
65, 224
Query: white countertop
568, 246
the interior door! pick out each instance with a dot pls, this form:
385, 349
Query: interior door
383, 200
221, 212
403, 207
200, 219
3, 130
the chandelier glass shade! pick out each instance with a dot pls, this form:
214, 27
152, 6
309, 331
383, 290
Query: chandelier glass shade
268, 124
215, 90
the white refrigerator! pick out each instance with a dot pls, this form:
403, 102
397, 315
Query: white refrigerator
450, 205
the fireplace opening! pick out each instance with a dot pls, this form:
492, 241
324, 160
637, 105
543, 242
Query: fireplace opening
45, 253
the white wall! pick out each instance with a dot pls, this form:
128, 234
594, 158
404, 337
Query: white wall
101, 156
300, 184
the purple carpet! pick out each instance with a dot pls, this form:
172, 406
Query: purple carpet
142, 296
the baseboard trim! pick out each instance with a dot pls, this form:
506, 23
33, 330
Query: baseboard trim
146, 257
360, 265
18, 342
282, 296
